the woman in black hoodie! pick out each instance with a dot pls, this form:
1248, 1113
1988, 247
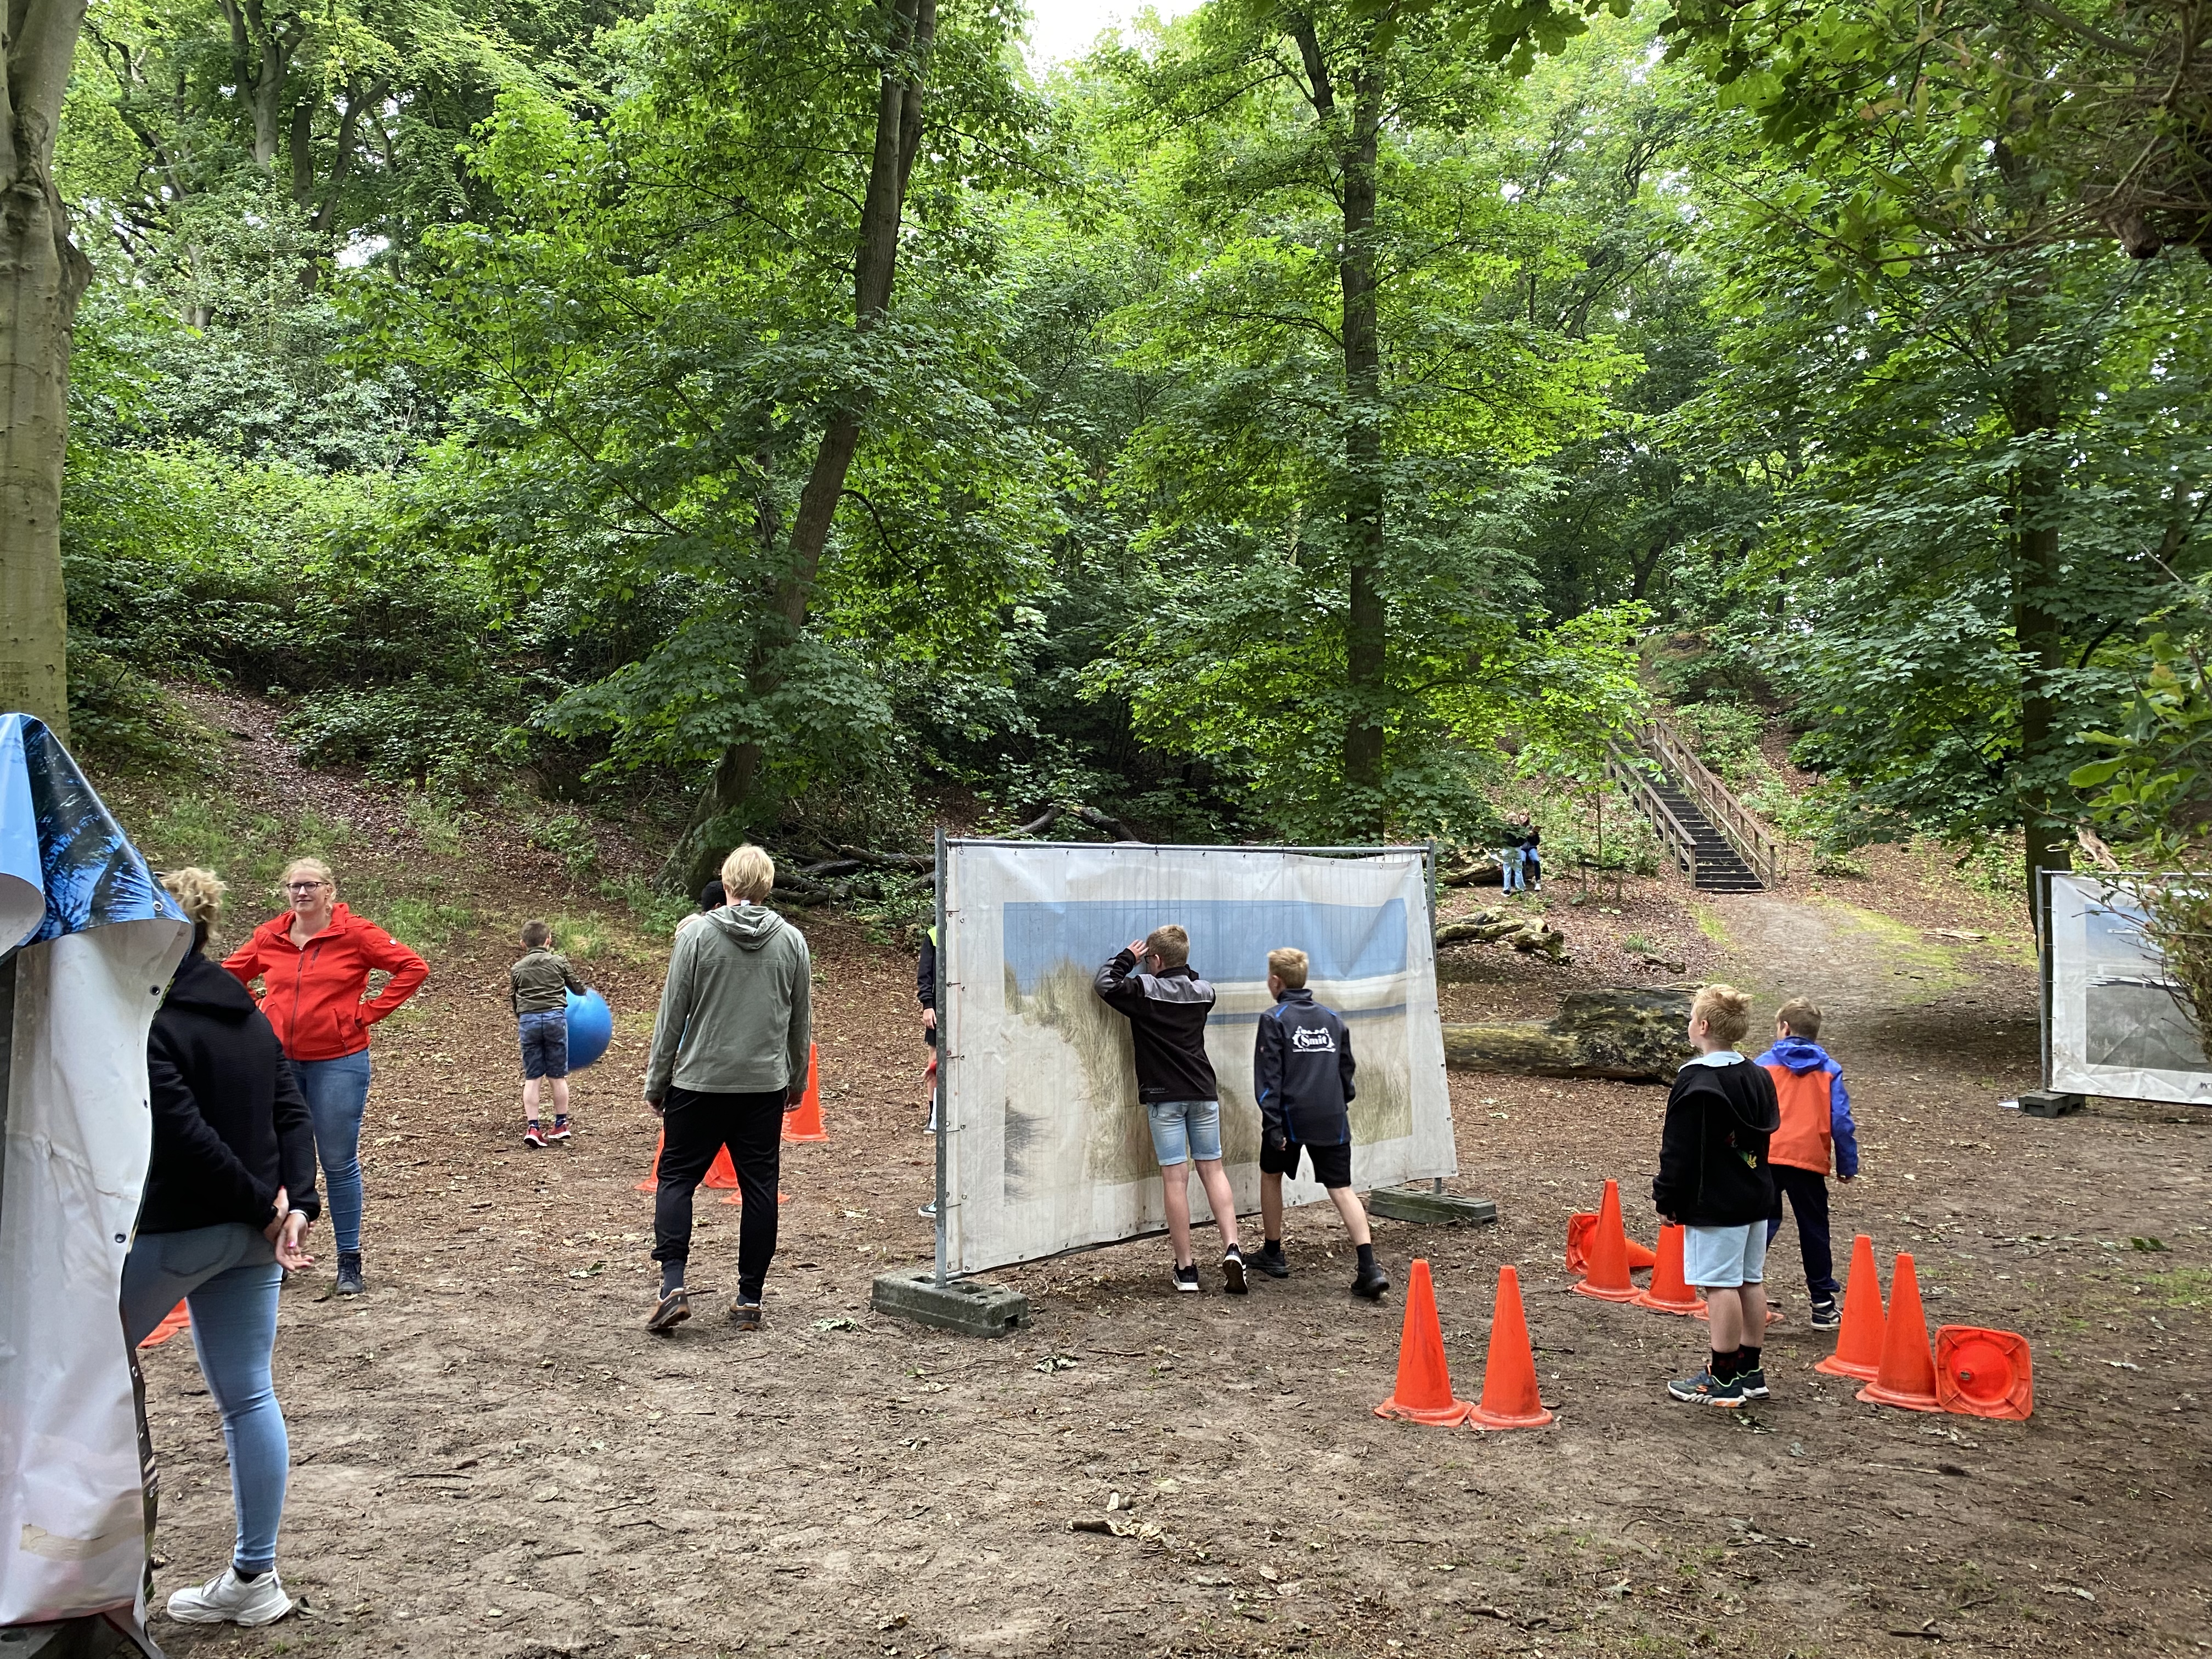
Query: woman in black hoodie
1713, 1179
229, 1193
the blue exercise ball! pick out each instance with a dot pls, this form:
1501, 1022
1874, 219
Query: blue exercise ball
591, 1028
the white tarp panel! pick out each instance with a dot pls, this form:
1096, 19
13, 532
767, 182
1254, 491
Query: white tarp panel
2115, 1027
88, 945
1047, 1148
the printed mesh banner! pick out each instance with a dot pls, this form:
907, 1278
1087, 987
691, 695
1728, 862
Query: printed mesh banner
2115, 1026
1048, 1149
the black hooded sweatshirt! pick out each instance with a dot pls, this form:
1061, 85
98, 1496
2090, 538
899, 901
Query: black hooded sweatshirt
230, 1126
1167, 1015
1712, 1153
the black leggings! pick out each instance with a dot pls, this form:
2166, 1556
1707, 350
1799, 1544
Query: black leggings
698, 1126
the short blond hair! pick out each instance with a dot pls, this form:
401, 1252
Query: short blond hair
1800, 1017
1726, 1012
1170, 944
748, 873
309, 867
1288, 965
198, 892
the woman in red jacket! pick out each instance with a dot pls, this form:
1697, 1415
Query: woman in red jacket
314, 961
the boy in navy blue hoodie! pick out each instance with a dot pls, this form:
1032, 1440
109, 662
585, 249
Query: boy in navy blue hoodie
1816, 1123
1302, 1069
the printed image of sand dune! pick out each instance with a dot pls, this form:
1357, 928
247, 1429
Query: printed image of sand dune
1114, 1142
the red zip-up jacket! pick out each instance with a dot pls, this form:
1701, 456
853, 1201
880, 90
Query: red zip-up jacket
313, 996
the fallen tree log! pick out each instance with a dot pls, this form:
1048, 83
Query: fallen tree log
1530, 933
1628, 1036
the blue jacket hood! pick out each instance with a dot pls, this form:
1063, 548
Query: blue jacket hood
1798, 1053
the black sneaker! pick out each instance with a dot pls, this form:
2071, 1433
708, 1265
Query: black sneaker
1271, 1262
349, 1279
1706, 1389
1232, 1272
745, 1316
1753, 1382
1372, 1284
1826, 1315
672, 1311
1184, 1279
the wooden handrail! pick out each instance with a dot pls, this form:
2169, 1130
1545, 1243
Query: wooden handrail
1751, 839
1673, 834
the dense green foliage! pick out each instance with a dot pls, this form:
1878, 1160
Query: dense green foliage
1301, 422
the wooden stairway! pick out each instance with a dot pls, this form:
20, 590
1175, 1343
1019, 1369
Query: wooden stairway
1712, 836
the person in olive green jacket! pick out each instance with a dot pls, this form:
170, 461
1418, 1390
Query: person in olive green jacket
538, 991
729, 1053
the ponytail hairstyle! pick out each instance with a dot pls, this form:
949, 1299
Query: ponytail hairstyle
198, 893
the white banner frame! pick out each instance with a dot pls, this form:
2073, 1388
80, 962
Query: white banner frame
1406, 1080
2111, 1026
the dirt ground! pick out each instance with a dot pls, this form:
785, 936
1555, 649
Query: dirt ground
491, 1456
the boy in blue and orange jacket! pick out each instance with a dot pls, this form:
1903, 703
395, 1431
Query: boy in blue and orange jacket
1816, 1122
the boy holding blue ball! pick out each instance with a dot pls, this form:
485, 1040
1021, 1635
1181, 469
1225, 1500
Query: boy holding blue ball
538, 992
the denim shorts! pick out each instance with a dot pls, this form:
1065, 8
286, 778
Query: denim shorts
1185, 1129
1724, 1258
545, 1044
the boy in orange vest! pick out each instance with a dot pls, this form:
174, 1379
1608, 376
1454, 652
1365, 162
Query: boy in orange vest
1816, 1120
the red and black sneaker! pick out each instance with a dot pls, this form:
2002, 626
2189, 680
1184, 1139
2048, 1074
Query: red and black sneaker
560, 1129
532, 1137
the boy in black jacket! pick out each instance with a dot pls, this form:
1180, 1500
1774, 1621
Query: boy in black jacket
1713, 1179
1167, 1006
1302, 1069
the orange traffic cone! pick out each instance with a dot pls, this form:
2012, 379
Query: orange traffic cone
805, 1123
721, 1174
1669, 1292
1509, 1400
1580, 1226
1423, 1392
1609, 1278
1907, 1376
1858, 1344
1983, 1373
179, 1318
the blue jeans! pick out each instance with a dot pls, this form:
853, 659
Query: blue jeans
1185, 1129
228, 1276
337, 1098
544, 1039
1509, 865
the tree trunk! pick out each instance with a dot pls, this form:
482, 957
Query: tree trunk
1365, 643
42, 276
899, 101
1629, 1036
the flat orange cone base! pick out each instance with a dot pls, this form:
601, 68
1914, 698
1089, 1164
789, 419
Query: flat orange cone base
805, 1123
1874, 1394
1835, 1367
739, 1198
1983, 1373
1424, 1392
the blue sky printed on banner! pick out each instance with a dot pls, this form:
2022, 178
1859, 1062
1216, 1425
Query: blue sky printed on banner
1230, 939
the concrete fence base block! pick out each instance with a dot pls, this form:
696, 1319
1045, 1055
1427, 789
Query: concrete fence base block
1427, 1205
965, 1305
2050, 1102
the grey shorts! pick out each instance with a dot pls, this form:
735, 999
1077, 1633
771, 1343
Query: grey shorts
1724, 1258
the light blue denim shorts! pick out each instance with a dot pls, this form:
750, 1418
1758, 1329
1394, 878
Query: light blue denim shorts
1185, 1129
1722, 1258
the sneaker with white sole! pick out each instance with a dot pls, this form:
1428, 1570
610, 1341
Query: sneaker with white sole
1232, 1271
1826, 1315
227, 1599
1185, 1278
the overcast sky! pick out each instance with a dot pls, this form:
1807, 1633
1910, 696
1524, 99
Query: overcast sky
1065, 29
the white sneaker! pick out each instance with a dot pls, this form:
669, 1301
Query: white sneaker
227, 1599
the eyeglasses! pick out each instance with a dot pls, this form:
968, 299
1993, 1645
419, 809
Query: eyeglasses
304, 886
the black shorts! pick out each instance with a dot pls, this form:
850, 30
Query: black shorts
1332, 1165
